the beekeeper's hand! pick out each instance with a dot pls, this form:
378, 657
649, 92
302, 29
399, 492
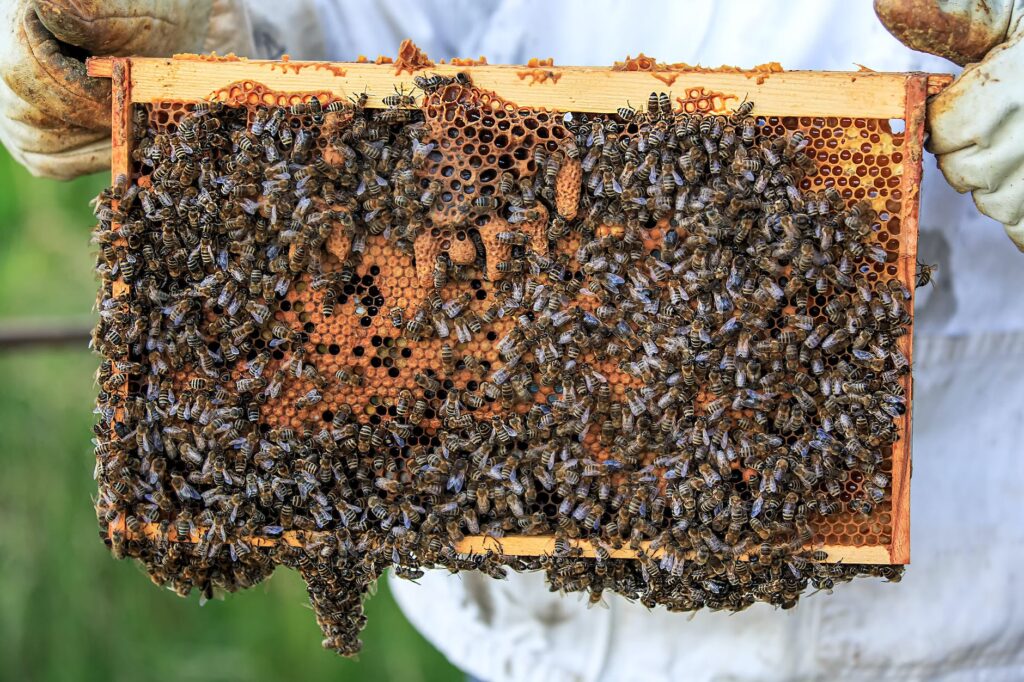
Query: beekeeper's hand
976, 126
54, 119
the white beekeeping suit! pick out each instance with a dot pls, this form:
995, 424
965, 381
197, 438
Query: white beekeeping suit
958, 614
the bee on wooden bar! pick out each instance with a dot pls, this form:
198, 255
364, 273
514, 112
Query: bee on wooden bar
399, 99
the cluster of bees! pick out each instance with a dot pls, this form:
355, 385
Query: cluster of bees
687, 266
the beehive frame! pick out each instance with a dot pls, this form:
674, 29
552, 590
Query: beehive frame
855, 102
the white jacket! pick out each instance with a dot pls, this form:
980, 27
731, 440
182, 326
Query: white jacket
958, 614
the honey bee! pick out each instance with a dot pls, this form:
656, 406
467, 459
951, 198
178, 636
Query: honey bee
360, 101
551, 167
447, 358
484, 203
328, 303
397, 318
513, 238
399, 99
347, 376
664, 105
430, 193
743, 110
312, 397
924, 274
429, 84
184, 491
421, 152
427, 382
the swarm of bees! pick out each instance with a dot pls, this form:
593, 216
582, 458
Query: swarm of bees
690, 266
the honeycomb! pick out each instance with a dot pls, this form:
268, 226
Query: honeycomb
398, 310
862, 158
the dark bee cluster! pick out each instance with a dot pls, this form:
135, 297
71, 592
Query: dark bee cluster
658, 342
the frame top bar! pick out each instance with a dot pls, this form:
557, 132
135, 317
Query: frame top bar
857, 94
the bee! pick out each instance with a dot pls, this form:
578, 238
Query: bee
665, 105
835, 340
743, 110
427, 382
364, 438
399, 99
184, 491
346, 376
875, 493
447, 358
429, 84
360, 101
861, 506
183, 525
653, 105
880, 480
484, 203
924, 274
421, 152
313, 106
513, 238
272, 124
898, 289
506, 184
430, 193
570, 148
301, 146
551, 167
415, 326
312, 397
396, 315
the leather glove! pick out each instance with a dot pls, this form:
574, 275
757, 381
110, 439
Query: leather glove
976, 126
54, 119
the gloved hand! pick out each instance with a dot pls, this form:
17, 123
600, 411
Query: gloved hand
54, 119
976, 126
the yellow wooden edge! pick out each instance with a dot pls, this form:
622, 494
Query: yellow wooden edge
521, 545
859, 94
514, 545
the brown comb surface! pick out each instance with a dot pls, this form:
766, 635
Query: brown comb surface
862, 158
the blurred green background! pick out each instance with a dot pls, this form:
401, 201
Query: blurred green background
68, 609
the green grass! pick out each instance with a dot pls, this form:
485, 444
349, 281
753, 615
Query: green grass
68, 609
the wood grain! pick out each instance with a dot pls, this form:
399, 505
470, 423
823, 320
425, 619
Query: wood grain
917, 92
862, 94
519, 545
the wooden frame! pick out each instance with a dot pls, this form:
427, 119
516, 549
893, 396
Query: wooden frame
862, 94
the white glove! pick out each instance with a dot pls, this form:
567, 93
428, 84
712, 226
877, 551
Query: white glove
55, 120
976, 126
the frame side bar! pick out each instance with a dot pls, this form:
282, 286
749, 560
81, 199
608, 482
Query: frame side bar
917, 93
